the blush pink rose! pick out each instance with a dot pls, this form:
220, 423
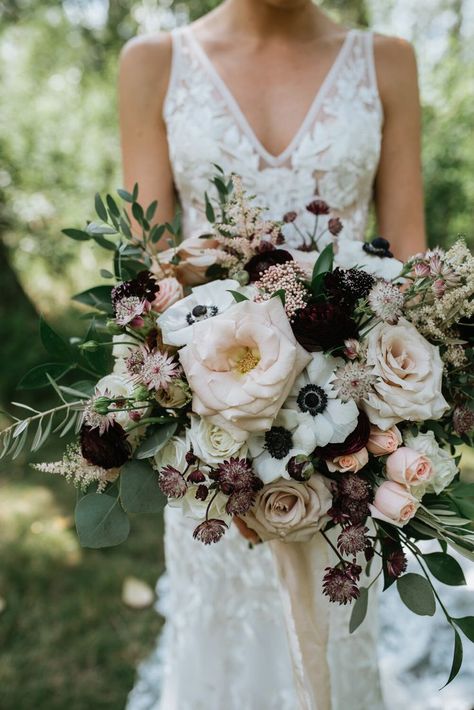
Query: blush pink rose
384, 442
189, 261
394, 504
242, 364
349, 463
170, 291
408, 467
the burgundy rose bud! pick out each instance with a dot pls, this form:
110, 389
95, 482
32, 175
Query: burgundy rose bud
356, 441
323, 325
259, 263
300, 467
196, 476
240, 502
202, 492
210, 531
107, 450
335, 226
172, 482
318, 207
290, 216
190, 457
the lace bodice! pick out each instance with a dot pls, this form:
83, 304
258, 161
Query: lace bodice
334, 154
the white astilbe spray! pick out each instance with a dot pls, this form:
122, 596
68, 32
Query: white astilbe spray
75, 469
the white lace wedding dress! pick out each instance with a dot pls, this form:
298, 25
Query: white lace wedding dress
224, 645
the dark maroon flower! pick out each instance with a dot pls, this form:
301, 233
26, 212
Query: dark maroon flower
465, 328
300, 468
202, 492
347, 286
323, 325
210, 531
172, 482
236, 475
378, 247
240, 502
339, 585
354, 487
196, 476
357, 510
107, 450
318, 207
290, 216
190, 457
259, 263
335, 226
463, 420
394, 558
369, 551
143, 286
356, 441
352, 539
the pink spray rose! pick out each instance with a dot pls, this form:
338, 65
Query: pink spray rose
383, 442
170, 292
408, 467
394, 504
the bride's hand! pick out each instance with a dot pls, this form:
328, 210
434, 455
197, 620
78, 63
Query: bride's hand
246, 532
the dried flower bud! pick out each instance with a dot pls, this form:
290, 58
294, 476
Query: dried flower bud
191, 457
202, 492
196, 476
335, 226
318, 207
290, 216
300, 467
351, 348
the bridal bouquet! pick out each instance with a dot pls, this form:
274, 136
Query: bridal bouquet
304, 392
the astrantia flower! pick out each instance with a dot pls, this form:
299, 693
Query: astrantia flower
323, 326
394, 558
240, 502
318, 207
235, 475
107, 450
210, 531
386, 301
315, 400
354, 487
463, 420
261, 262
172, 482
352, 539
348, 285
354, 381
129, 310
158, 370
339, 585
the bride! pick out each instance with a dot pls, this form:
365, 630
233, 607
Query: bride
299, 106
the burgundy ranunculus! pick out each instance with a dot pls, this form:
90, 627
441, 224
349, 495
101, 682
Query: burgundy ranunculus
259, 263
323, 325
108, 450
356, 441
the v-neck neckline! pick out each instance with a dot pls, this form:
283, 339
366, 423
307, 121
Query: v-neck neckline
241, 118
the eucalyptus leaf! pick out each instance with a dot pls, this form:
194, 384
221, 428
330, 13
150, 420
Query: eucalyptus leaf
100, 207
151, 209
101, 521
53, 343
445, 568
457, 658
77, 234
155, 441
139, 489
466, 624
37, 377
416, 593
359, 610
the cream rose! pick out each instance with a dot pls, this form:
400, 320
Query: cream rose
410, 374
381, 443
408, 467
349, 463
291, 510
241, 366
194, 256
170, 292
394, 504
173, 454
212, 444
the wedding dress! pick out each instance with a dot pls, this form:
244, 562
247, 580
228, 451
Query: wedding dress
224, 645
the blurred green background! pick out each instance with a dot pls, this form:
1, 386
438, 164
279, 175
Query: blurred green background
66, 638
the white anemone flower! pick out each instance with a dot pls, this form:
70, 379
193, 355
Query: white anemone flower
204, 302
315, 401
350, 254
271, 450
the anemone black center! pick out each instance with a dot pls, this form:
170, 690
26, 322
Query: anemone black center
278, 442
312, 399
201, 312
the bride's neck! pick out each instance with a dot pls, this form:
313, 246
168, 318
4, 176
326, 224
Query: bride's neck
301, 19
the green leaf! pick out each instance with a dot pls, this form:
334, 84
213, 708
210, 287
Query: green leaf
210, 214
98, 297
106, 274
279, 294
457, 658
238, 297
445, 568
38, 376
139, 489
324, 262
126, 196
101, 521
77, 234
100, 207
416, 593
53, 343
463, 490
359, 610
135, 192
466, 507
104, 243
157, 232
137, 211
125, 228
112, 205
466, 624
99, 360
155, 441
151, 209
96, 230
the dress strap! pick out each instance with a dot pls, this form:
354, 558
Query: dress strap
176, 63
370, 58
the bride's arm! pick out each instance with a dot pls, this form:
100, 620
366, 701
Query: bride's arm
399, 186
144, 70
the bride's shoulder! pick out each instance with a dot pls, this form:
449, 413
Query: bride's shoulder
395, 65
145, 64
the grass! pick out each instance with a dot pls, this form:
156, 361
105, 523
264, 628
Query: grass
67, 640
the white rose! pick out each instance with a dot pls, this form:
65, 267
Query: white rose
211, 443
350, 254
204, 302
444, 467
410, 374
173, 454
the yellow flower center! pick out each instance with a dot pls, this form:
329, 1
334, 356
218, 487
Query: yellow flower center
246, 361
